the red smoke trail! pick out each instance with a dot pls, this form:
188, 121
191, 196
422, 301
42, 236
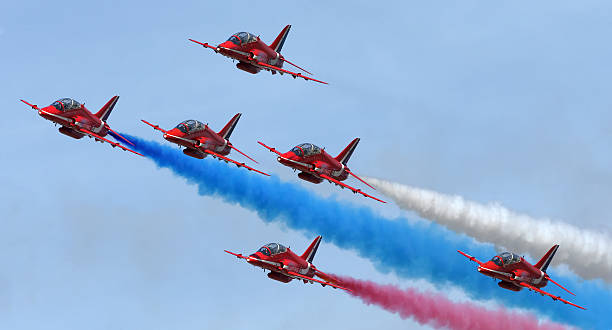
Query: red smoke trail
436, 310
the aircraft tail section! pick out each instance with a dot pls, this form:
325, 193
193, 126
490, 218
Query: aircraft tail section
344, 156
546, 259
107, 108
226, 132
278, 43
311, 250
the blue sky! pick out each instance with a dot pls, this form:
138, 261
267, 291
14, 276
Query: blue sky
499, 102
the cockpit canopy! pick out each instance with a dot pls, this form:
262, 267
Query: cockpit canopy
306, 149
66, 104
242, 38
506, 258
272, 249
189, 126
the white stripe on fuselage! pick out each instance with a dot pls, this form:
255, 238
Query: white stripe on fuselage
180, 138
54, 115
495, 271
296, 162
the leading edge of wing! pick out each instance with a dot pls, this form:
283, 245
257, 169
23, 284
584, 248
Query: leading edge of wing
214, 154
294, 74
269, 148
531, 287
237, 255
470, 257
204, 44
114, 144
155, 127
355, 190
302, 277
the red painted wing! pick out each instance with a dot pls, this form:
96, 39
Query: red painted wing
33, 106
355, 190
294, 74
118, 135
156, 127
295, 65
233, 161
358, 178
271, 149
548, 294
238, 255
302, 277
114, 144
470, 257
242, 153
559, 285
205, 44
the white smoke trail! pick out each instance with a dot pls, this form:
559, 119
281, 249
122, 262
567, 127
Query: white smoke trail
586, 253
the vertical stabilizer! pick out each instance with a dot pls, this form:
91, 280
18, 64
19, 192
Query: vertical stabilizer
344, 156
546, 259
311, 250
107, 108
278, 43
226, 132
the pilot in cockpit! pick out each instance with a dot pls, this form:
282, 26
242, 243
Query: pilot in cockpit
272, 249
189, 126
306, 149
66, 104
242, 38
505, 259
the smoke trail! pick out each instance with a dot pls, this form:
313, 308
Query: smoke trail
585, 252
422, 250
436, 310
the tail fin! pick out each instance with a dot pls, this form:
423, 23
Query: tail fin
107, 108
311, 250
226, 132
278, 43
344, 156
546, 259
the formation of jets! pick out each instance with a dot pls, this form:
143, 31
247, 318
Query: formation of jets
314, 164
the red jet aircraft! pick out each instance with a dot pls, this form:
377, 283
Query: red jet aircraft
253, 54
284, 265
516, 273
315, 164
200, 141
76, 121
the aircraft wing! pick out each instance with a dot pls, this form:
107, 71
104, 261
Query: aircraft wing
354, 190
275, 68
214, 154
310, 279
470, 257
96, 136
205, 45
33, 106
229, 144
156, 127
531, 287
269, 148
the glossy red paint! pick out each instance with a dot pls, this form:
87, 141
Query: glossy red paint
316, 165
200, 140
253, 55
284, 265
76, 121
515, 273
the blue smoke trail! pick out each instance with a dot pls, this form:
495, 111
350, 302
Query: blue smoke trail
410, 250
